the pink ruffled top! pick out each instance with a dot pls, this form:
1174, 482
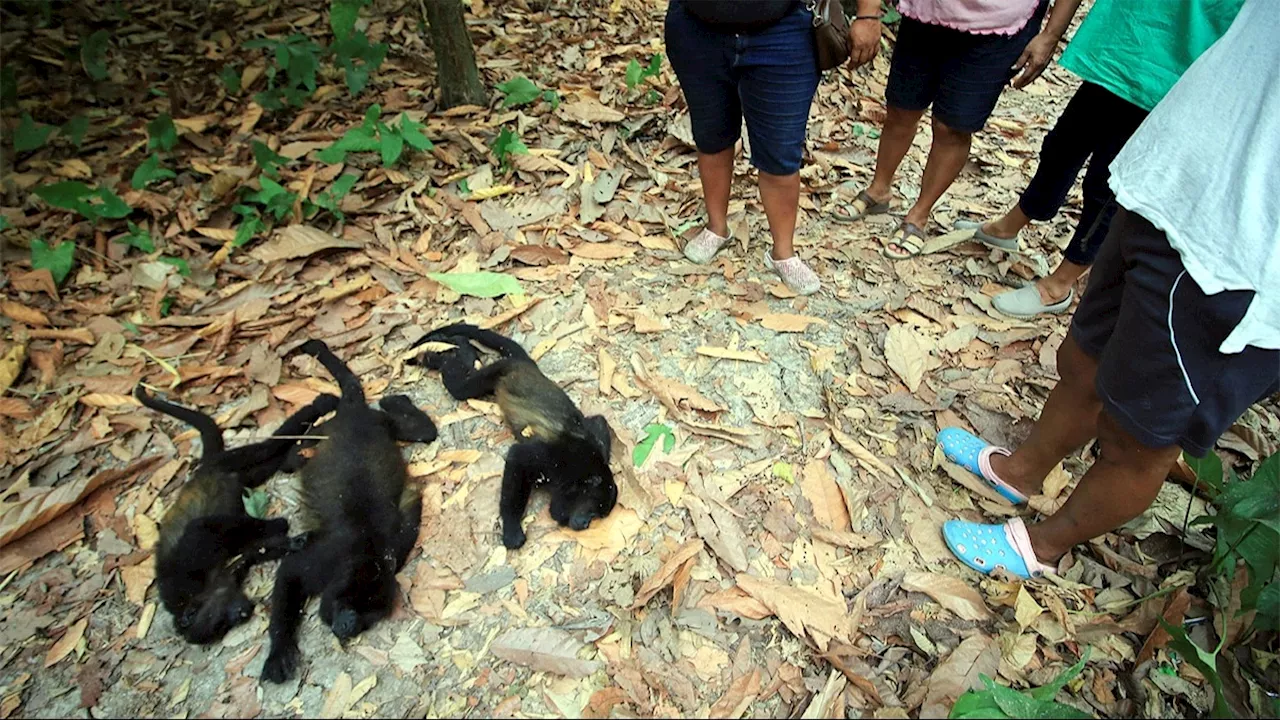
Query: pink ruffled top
981, 17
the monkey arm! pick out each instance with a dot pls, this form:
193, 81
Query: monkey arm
288, 599
409, 423
526, 462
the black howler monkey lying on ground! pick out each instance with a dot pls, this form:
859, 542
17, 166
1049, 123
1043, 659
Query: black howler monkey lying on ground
362, 518
207, 524
555, 444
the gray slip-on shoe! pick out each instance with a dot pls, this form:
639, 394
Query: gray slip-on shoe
1025, 303
1010, 244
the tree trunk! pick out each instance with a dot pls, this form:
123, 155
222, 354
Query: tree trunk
455, 57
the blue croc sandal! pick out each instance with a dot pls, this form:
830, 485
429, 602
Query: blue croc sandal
987, 547
974, 454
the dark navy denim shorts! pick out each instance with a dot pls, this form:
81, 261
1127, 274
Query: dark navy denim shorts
766, 77
1155, 335
961, 74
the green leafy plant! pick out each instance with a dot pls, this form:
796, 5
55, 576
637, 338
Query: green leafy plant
479, 284
331, 198
75, 129
30, 134
150, 171
889, 14
230, 78
93, 54
138, 237
267, 159
292, 79
58, 260
250, 225
162, 134
785, 472
653, 432
505, 145
275, 200
93, 204
1205, 662
374, 135
255, 503
183, 268
998, 701
552, 98
1248, 529
636, 73
352, 50
518, 91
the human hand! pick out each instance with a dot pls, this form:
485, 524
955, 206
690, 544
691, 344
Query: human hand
864, 41
1034, 59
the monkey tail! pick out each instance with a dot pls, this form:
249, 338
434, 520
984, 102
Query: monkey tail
210, 435
504, 346
352, 390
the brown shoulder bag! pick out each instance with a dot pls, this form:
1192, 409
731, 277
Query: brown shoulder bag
831, 31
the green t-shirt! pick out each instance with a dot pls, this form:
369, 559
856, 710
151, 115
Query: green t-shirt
1138, 49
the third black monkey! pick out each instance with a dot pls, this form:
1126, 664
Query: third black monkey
207, 526
556, 445
362, 517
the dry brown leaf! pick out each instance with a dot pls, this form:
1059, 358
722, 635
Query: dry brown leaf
40, 280
544, 649
23, 314
607, 366
219, 234
602, 251
539, 255
18, 519
851, 540
66, 643
667, 572
738, 698
735, 601
976, 655
300, 241
865, 457
907, 355
804, 612
338, 699
786, 322
820, 489
829, 702
646, 323
108, 400
11, 365
727, 354
137, 578
589, 111
951, 593
1026, 609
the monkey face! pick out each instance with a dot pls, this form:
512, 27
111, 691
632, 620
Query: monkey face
575, 505
213, 614
362, 595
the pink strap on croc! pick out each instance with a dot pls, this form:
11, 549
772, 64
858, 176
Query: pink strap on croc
984, 464
1015, 532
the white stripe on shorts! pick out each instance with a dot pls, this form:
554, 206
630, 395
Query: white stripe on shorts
1173, 340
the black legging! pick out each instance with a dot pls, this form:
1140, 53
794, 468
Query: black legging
1096, 122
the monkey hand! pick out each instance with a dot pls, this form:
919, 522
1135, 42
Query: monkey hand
513, 536
282, 663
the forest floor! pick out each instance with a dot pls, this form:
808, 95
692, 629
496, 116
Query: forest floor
777, 547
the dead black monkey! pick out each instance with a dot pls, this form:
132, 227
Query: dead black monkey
363, 518
207, 524
556, 445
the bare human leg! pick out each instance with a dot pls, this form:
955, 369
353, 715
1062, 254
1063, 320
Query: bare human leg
1069, 420
895, 139
715, 170
947, 156
780, 195
1122, 484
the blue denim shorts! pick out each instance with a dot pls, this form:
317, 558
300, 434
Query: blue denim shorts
767, 77
961, 74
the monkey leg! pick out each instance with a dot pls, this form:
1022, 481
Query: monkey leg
410, 423
256, 463
300, 576
410, 521
526, 462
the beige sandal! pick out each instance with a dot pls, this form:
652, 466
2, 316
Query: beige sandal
909, 237
858, 208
